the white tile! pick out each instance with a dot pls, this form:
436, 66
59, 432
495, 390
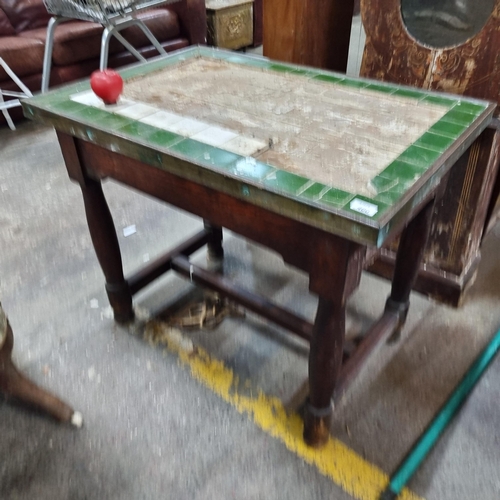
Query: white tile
162, 119
214, 136
120, 105
188, 127
88, 98
245, 146
137, 111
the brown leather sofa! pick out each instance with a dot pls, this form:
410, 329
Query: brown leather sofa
77, 43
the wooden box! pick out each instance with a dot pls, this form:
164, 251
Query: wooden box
230, 23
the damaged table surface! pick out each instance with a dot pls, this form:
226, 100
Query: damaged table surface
319, 167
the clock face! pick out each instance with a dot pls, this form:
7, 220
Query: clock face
445, 23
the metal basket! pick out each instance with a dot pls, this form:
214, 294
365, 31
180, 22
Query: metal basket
99, 11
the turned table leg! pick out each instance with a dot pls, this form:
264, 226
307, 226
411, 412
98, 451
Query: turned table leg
334, 274
410, 252
14, 383
214, 245
105, 241
325, 360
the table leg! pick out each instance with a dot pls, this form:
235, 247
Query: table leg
410, 253
325, 360
325, 357
105, 241
214, 245
14, 383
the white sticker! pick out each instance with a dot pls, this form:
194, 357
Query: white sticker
129, 230
363, 207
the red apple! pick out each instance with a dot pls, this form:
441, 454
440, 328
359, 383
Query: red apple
107, 85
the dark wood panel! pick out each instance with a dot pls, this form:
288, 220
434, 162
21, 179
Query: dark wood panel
469, 196
311, 32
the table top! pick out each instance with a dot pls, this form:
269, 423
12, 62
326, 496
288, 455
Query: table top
351, 156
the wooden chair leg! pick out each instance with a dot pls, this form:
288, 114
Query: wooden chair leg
14, 383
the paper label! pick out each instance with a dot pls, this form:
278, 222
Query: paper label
363, 207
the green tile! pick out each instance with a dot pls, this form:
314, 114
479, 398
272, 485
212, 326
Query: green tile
419, 157
219, 158
358, 84
327, 78
90, 114
314, 192
285, 181
164, 138
113, 122
389, 197
434, 142
206, 51
360, 205
336, 197
413, 94
448, 129
252, 61
441, 101
458, 117
282, 68
303, 72
382, 184
67, 106
191, 149
138, 130
250, 168
387, 89
470, 108
61, 94
405, 173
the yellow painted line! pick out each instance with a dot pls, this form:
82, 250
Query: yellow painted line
355, 475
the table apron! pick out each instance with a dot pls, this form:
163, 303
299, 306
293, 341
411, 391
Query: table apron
330, 260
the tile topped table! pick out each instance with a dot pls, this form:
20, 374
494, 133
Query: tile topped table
321, 168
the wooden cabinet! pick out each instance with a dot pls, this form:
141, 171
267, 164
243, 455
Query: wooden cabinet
311, 32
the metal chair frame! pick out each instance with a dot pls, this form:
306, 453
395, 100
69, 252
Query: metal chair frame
112, 23
11, 103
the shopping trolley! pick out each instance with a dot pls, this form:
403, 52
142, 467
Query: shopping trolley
6, 105
113, 15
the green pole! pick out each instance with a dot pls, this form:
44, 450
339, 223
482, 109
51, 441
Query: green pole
430, 436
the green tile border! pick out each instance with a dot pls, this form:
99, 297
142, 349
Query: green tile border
410, 93
376, 87
327, 78
250, 169
357, 84
389, 186
440, 101
434, 142
402, 172
420, 157
454, 115
469, 108
447, 129
285, 182
314, 192
382, 184
336, 197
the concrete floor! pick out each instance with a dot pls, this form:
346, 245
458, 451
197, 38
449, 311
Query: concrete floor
151, 431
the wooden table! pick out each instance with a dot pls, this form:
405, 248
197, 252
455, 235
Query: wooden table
321, 168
